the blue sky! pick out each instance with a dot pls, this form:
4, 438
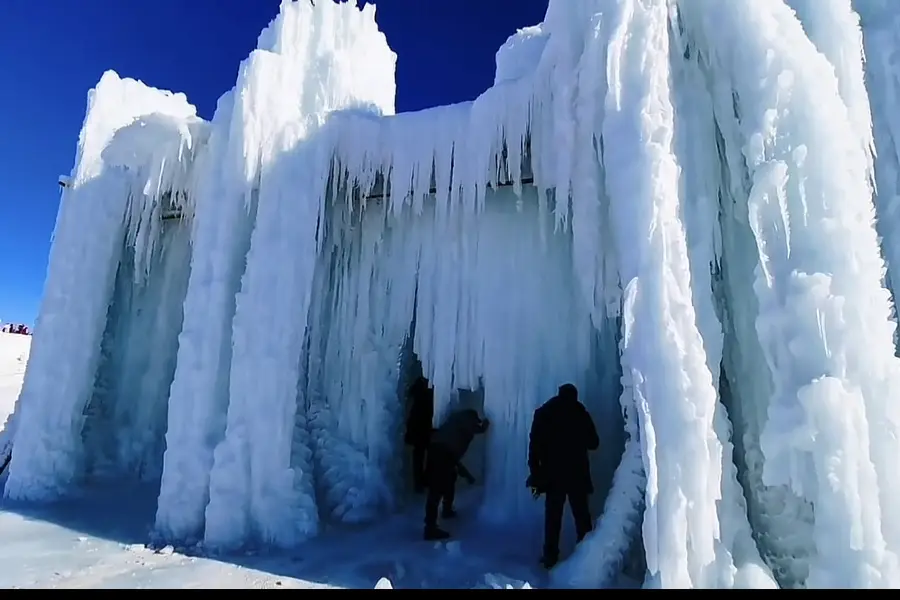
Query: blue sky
52, 52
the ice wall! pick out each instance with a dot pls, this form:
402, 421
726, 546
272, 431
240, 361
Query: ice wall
105, 192
307, 65
198, 395
824, 319
676, 402
687, 180
880, 22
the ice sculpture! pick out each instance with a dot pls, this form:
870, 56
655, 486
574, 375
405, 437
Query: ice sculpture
670, 203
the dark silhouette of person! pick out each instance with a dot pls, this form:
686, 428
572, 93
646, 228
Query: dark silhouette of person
419, 428
448, 445
562, 434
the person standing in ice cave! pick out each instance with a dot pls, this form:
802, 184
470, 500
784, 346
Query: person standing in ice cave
419, 427
449, 443
562, 434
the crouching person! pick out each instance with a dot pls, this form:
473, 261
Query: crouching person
448, 446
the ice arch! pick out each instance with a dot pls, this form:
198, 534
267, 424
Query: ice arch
669, 202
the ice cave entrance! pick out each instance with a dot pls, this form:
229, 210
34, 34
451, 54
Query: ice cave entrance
524, 332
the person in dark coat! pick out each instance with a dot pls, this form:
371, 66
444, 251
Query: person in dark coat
448, 445
419, 428
562, 434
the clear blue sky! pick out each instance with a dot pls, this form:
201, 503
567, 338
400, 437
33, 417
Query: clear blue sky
53, 51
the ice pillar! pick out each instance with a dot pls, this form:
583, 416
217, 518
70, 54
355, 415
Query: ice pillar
87, 244
312, 60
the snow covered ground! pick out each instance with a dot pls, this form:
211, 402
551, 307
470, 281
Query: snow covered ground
14, 351
98, 540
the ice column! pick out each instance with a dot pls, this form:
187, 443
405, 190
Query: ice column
90, 231
824, 318
662, 350
312, 60
701, 181
833, 26
198, 396
881, 32
353, 401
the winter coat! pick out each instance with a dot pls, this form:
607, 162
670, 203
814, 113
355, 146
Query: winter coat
421, 415
562, 434
457, 432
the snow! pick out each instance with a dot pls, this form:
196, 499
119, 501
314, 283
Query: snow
99, 540
93, 542
670, 204
14, 351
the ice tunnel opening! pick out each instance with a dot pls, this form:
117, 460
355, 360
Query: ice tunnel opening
404, 294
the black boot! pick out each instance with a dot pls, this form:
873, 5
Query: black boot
448, 513
433, 534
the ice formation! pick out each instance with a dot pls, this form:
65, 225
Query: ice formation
670, 203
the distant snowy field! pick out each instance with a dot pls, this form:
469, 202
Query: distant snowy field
98, 541
14, 351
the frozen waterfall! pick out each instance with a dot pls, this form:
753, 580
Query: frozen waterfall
685, 207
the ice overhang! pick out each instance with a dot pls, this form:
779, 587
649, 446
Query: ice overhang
381, 188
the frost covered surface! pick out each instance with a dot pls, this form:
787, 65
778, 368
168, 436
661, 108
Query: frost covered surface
669, 203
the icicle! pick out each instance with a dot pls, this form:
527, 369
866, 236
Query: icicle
833, 26
788, 130
87, 245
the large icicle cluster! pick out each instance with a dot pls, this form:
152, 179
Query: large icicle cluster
669, 203
87, 243
236, 479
